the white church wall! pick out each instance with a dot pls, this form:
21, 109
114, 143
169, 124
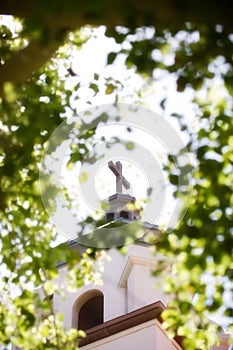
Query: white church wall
142, 287
114, 297
127, 285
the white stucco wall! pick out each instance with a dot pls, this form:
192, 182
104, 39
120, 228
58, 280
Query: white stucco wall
127, 284
142, 288
114, 297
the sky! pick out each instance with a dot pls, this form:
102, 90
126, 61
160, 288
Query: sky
84, 64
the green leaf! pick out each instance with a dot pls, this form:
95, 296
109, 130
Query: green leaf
111, 57
94, 87
129, 145
83, 177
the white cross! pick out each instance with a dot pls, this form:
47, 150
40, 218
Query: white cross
120, 179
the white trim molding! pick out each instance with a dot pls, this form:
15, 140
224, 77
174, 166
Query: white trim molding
137, 260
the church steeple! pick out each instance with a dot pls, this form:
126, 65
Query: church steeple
120, 205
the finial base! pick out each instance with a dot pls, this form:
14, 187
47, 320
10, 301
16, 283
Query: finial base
122, 206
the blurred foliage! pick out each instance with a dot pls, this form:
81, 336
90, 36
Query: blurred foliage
199, 56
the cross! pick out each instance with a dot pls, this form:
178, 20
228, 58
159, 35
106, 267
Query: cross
120, 179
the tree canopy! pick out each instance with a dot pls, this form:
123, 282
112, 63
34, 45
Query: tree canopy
189, 41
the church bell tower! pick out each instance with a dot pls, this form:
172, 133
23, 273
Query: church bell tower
121, 206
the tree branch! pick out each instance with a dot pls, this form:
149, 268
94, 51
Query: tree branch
23, 63
70, 14
167, 13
